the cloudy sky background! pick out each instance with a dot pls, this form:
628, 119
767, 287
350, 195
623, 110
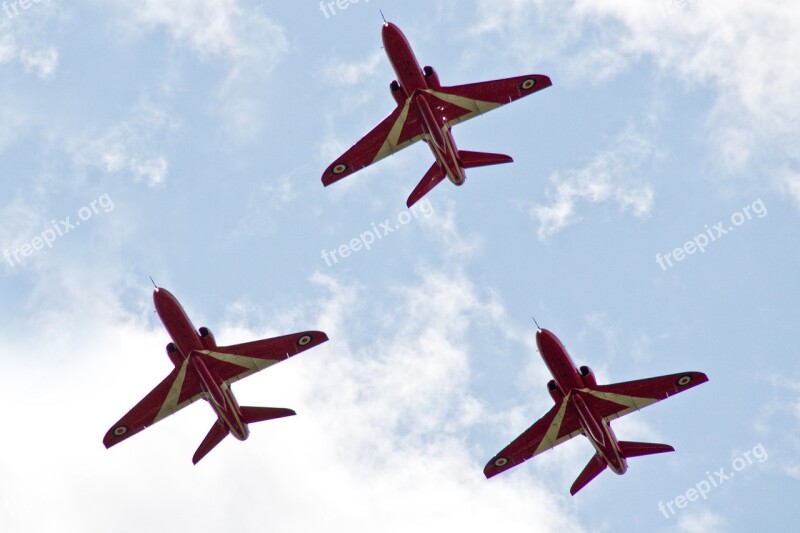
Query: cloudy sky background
203, 127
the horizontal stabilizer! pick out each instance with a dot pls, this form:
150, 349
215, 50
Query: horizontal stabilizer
218, 432
481, 159
595, 466
431, 179
636, 449
259, 414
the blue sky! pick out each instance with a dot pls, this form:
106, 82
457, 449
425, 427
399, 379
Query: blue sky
188, 139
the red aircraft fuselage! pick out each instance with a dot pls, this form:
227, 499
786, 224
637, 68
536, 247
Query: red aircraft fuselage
188, 341
409, 75
569, 381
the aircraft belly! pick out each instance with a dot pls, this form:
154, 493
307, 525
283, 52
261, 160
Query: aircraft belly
229, 414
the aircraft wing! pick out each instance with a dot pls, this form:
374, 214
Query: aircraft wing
560, 424
463, 102
176, 391
400, 129
619, 399
232, 363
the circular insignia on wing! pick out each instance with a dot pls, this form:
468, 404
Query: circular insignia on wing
339, 168
684, 380
500, 462
120, 430
305, 339
527, 84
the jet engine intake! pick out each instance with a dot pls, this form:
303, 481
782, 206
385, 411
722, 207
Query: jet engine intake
207, 338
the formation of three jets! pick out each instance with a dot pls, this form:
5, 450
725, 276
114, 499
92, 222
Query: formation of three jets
426, 110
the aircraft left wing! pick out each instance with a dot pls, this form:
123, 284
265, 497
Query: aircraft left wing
179, 389
560, 424
619, 399
232, 363
463, 102
400, 129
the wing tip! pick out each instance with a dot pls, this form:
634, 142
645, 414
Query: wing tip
497, 465
687, 380
321, 335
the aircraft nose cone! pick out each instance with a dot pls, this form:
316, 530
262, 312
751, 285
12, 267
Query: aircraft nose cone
543, 336
390, 33
162, 296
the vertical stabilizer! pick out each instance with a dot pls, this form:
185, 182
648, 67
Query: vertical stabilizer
595, 466
218, 432
431, 179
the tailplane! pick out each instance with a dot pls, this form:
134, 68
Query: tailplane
259, 414
431, 179
595, 466
481, 159
636, 449
218, 432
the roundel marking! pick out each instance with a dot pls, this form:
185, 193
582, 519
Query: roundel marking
527, 84
684, 380
339, 168
500, 462
305, 339
120, 430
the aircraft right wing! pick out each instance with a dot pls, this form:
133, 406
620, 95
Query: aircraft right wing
232, 363
619, 399
400, 129
560, 424
179, 389
463, 102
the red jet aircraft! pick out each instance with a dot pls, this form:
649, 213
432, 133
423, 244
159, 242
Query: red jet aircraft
426, 110
585, 408
205, 370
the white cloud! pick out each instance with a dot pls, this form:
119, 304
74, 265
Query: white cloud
789, 183
247, 42
43, 62
607, 178
743, 52
23, 40
213, 28
443, 226
378, 443
701, 522
339, 72
126, 148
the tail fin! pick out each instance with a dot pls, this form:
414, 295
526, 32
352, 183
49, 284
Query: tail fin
595, 466
431, 179
218, 432
636, 449
259, 414
481, 159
